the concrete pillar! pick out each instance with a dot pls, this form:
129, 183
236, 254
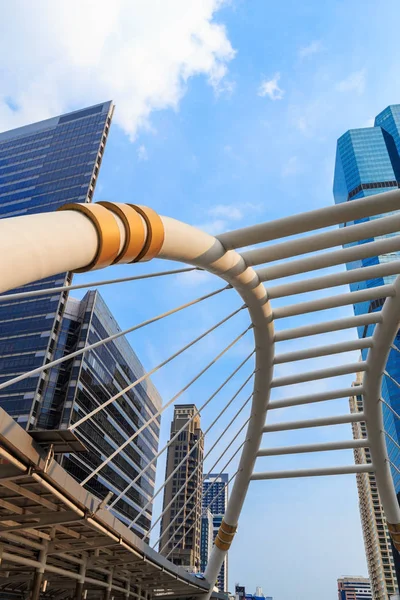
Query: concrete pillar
79, 591
39, 573
79, 594
36, 585
107, 592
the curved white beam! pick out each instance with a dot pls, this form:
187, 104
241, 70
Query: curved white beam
187, 244
48, 244
384, 334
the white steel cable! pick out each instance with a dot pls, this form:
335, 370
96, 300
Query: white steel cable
107, 339
203, 494
391, 439
390, 408
391, 378
189, 478
185, 459
159, 412
197, 412
152, 371
207, 506
393, 465
88, 284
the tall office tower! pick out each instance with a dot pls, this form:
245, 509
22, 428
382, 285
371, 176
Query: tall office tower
367, 163
183, 493
206, 538
215, 499
89, 380
43, 166
354, 588
378, 548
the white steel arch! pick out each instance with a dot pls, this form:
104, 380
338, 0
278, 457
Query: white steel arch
93, 236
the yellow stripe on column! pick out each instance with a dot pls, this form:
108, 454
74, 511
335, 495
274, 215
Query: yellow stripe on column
225, 536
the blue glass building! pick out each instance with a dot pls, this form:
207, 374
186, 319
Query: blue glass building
43, 166
367, 163
215, 499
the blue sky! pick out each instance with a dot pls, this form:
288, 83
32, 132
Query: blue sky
227, 114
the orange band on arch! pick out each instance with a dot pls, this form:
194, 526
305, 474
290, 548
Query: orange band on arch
109, 237
135, 231
155, 233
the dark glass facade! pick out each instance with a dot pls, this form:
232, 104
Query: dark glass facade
89, 380
367, 163
206, 538
43, 166
215, 499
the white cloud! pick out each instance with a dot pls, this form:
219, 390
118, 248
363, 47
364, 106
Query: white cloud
226, 211
292, 167
142, 153
313, 48
355, 82
213, 227
141, 54
270, 88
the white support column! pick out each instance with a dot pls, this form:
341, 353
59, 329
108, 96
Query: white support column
384, 334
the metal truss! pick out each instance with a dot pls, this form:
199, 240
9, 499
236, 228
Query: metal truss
96, 236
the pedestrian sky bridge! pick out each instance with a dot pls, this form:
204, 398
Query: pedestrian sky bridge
56, 539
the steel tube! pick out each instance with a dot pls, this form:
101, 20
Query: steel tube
320, 374
321, 241
384, 335
314, 219
327, 326
321, 447
329, 259
292, 310
336, 279
321, 397
322, 422
318, 351
313, 472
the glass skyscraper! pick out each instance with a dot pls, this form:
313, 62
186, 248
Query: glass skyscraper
367, 163
43, 166
215, 499
87, 381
